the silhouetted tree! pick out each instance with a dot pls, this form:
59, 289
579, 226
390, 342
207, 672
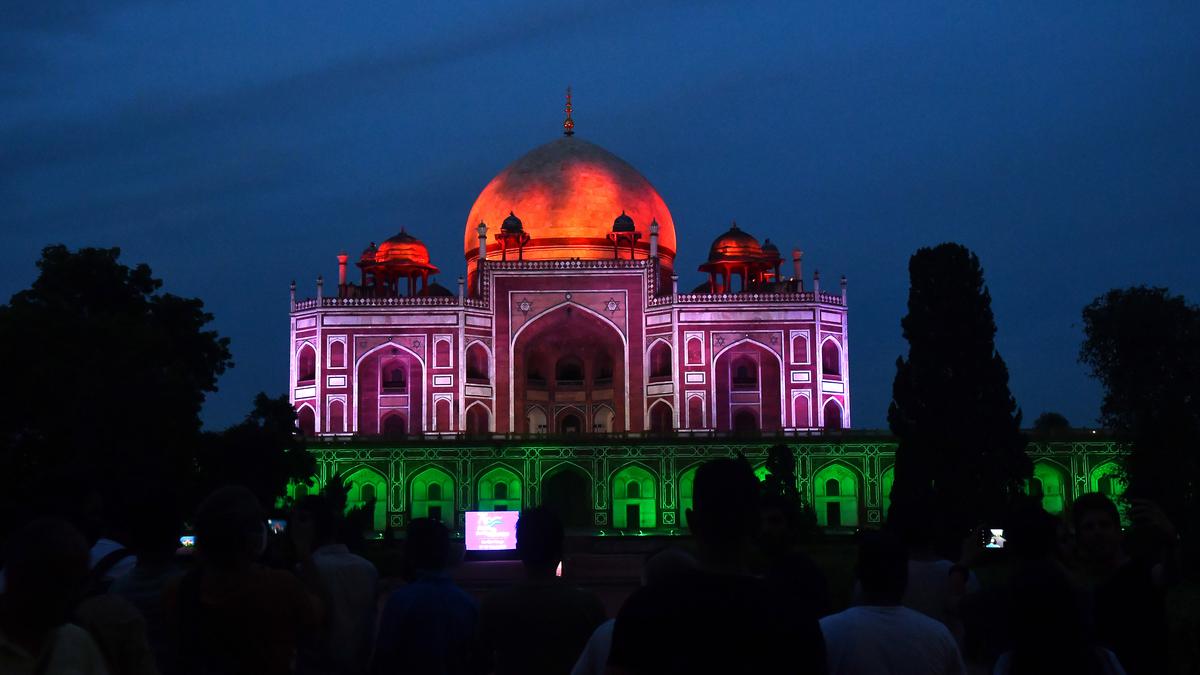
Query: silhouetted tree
263, 452
1051, 423
958, 426
1143, 345
107, 373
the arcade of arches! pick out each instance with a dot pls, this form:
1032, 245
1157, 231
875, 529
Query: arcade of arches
647, 486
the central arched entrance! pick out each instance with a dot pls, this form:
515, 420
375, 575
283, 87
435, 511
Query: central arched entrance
571, 363
567, 491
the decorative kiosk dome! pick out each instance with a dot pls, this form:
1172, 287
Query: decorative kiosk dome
402, 249
623, 223
738, 253
735, 246
567, 192
402, 257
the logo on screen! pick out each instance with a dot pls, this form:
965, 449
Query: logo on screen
491, 530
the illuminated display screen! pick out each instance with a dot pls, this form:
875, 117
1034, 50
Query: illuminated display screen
491, 530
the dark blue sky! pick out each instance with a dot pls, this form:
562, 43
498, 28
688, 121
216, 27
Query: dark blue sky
237, 145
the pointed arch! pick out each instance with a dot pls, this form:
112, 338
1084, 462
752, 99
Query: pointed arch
886, 480
443, 414
536, 421
498, 489
479, 362
831, 357
479, 419
836, 491
687, 483
802, 410
367, 489
306, 419
1048, 484
335, 416
1107, 479
431, 495
624, 339
799, 347
695, 412
602, 419
306, 364
633, 497
367, 390
660, 417
832, 415
566, 489
659, 363
770, 386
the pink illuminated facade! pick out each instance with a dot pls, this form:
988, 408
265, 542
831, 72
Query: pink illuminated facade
568, 319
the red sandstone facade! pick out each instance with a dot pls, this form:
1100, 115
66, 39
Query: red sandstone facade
569, 321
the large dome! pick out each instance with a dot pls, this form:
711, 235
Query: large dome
567, 194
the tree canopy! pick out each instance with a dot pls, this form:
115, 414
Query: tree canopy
112, 374
958, 426
1143, 345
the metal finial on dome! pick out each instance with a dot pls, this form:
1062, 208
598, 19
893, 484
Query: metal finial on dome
568, 124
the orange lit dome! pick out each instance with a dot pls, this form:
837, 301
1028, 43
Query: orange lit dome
567, 194
402, 249
736, 246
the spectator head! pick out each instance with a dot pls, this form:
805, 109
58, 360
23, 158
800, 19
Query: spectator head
882, 568
231, 527
667, 565
426, 547
46, 570
1032, 534
539, 540
1047, 624
778, 524
321, 511
724, 506
1097, 528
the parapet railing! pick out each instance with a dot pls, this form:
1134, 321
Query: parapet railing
567, 264
747, 297
659, 301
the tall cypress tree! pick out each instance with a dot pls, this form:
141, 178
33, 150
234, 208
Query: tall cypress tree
960, 445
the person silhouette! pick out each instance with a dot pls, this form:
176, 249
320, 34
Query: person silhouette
46, 572
716, 618
541, 624
428, 625
882, 635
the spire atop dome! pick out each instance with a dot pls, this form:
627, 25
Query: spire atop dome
568, 124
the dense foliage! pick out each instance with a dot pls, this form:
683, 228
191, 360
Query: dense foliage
1143, 345
109, 374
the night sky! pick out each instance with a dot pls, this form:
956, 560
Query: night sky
235, 146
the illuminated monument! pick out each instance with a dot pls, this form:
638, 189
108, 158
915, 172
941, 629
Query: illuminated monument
567, 368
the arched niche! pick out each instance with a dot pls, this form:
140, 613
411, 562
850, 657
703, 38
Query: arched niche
633, 499
367, 489
498, 489
306, 364
390, 380
567, 491
836, 496
431, 493
831, 358
737, 366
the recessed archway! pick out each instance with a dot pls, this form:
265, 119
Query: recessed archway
754, 371
567, 491
836, 493
575, 357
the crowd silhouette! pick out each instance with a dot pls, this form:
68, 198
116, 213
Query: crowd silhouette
1078, 595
